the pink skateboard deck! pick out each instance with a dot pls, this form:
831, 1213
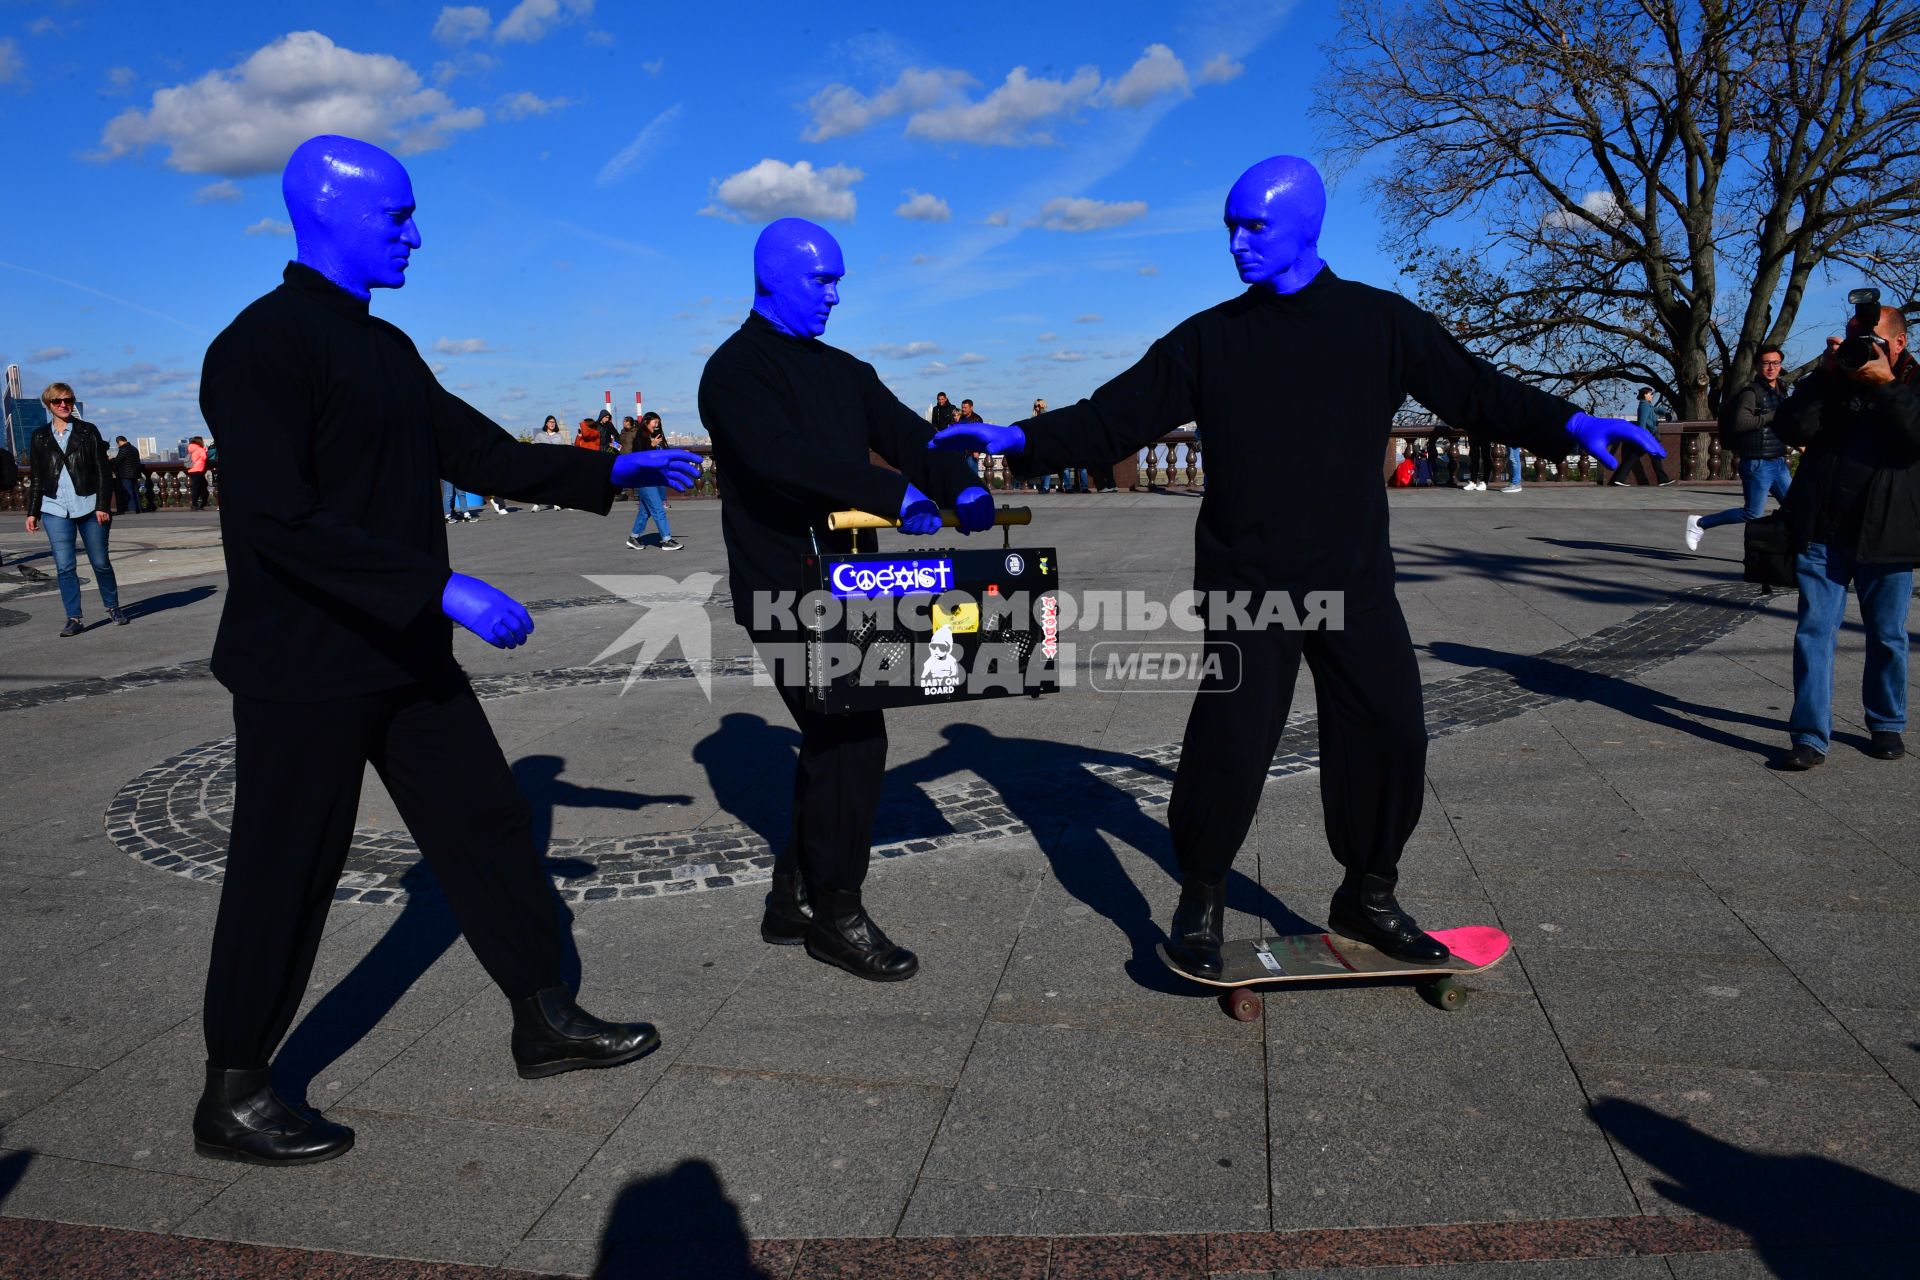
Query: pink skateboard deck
1321, 957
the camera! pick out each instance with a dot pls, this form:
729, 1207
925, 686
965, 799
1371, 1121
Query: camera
1863, 348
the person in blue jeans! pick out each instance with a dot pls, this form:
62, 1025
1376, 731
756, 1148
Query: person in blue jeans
1762, 454
1854, 512
650, 501
68, 483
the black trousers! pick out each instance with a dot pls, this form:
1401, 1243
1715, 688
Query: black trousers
298, 769
1633, 460
1479, 460
836, 780
197, 487
1373, 741
129, 496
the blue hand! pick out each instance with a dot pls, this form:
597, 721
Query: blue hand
676, 468
974, 507
918, 515
1598, 435
979, 437
488, 612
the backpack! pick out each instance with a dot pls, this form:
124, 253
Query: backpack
1729, 411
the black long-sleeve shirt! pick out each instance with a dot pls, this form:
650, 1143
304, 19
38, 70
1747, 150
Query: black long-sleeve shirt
333, 437
1858, 486
1296, 395
792, 420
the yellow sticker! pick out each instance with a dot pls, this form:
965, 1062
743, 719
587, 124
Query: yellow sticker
965, 617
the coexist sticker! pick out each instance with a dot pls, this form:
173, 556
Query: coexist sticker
890, 577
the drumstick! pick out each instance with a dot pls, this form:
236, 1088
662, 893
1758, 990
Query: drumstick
839, 520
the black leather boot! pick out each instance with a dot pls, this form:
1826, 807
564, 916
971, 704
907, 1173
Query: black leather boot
789, 911
552, 1034
241, 1118
1198, 927
842, 934
1367, 912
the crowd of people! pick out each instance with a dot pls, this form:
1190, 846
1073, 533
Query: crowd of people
1092, 478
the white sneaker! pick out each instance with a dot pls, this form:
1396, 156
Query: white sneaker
1694, 533
497, 507
636, 544
1512, 488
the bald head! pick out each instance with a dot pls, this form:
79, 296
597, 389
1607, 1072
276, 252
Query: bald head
1273, 216
351, 205
797, 268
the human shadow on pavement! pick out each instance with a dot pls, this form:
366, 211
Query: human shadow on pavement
1564, 681
1796, 1208
676, 1226
1618, 548
1048, 788
147, 606
13, 1167
424, 930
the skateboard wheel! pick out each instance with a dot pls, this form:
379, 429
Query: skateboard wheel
1445, 993
1241, 1006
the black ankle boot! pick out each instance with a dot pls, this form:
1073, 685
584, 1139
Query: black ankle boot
789, 911
241, 1118
842, 934
1198, 927
1367, 912
552, 1034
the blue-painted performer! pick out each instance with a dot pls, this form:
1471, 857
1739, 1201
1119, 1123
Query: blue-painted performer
336, 644
792, 420
1295, 504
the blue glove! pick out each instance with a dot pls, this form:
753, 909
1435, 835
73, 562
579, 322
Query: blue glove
979, 437
918, 514
675, 468
974, 507
1598, 435
488, 612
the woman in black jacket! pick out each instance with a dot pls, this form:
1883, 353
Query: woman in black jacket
67, 491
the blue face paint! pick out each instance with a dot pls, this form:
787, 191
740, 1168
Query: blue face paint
796, 276
1273, 218
352, 209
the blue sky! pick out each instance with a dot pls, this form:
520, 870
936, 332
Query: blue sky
1027, 194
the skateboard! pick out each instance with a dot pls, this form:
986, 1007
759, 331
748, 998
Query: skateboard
1320, 957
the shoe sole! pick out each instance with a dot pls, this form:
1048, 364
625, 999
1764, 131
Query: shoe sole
230, 1154
781, 940
540, 1071
860, 973
1337, 927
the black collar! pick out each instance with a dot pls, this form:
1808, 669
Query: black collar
759, 324
303, 279
1311, 288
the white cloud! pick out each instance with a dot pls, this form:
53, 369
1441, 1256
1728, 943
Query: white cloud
514, 393
248, 119
460, 346
998, 218
9, 60
1046, 337
462, 24
531, 20
922, 259
652, 68
644, 144
1077, 213
218, 192
49, 353
921, 207
1600, 204
43, 26
1088, 318
519, 106
773, 189
934, 369
969, 357
598, 37
839, 110
1068, 357
143, 378
1219, 69
1004, 117
1158, 71
270, 227
437, 369
903, 351
1149, 270
120, 79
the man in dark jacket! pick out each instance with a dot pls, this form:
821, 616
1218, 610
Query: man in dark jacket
336, 644
1295, 511
126, 470
1855, 514
1762, 454
792, 421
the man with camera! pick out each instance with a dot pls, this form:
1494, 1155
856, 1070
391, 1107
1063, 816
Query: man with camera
1854, 511
1763, 458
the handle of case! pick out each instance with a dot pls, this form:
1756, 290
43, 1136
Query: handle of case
839, 520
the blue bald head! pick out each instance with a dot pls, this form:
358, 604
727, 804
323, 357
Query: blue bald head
352, 210
796, 276
1273, 218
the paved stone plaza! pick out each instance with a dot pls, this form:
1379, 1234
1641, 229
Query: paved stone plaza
1701, 1061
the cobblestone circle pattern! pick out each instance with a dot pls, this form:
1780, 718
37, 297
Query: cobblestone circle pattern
174, 816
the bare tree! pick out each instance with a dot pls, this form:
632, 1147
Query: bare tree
1656, 180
